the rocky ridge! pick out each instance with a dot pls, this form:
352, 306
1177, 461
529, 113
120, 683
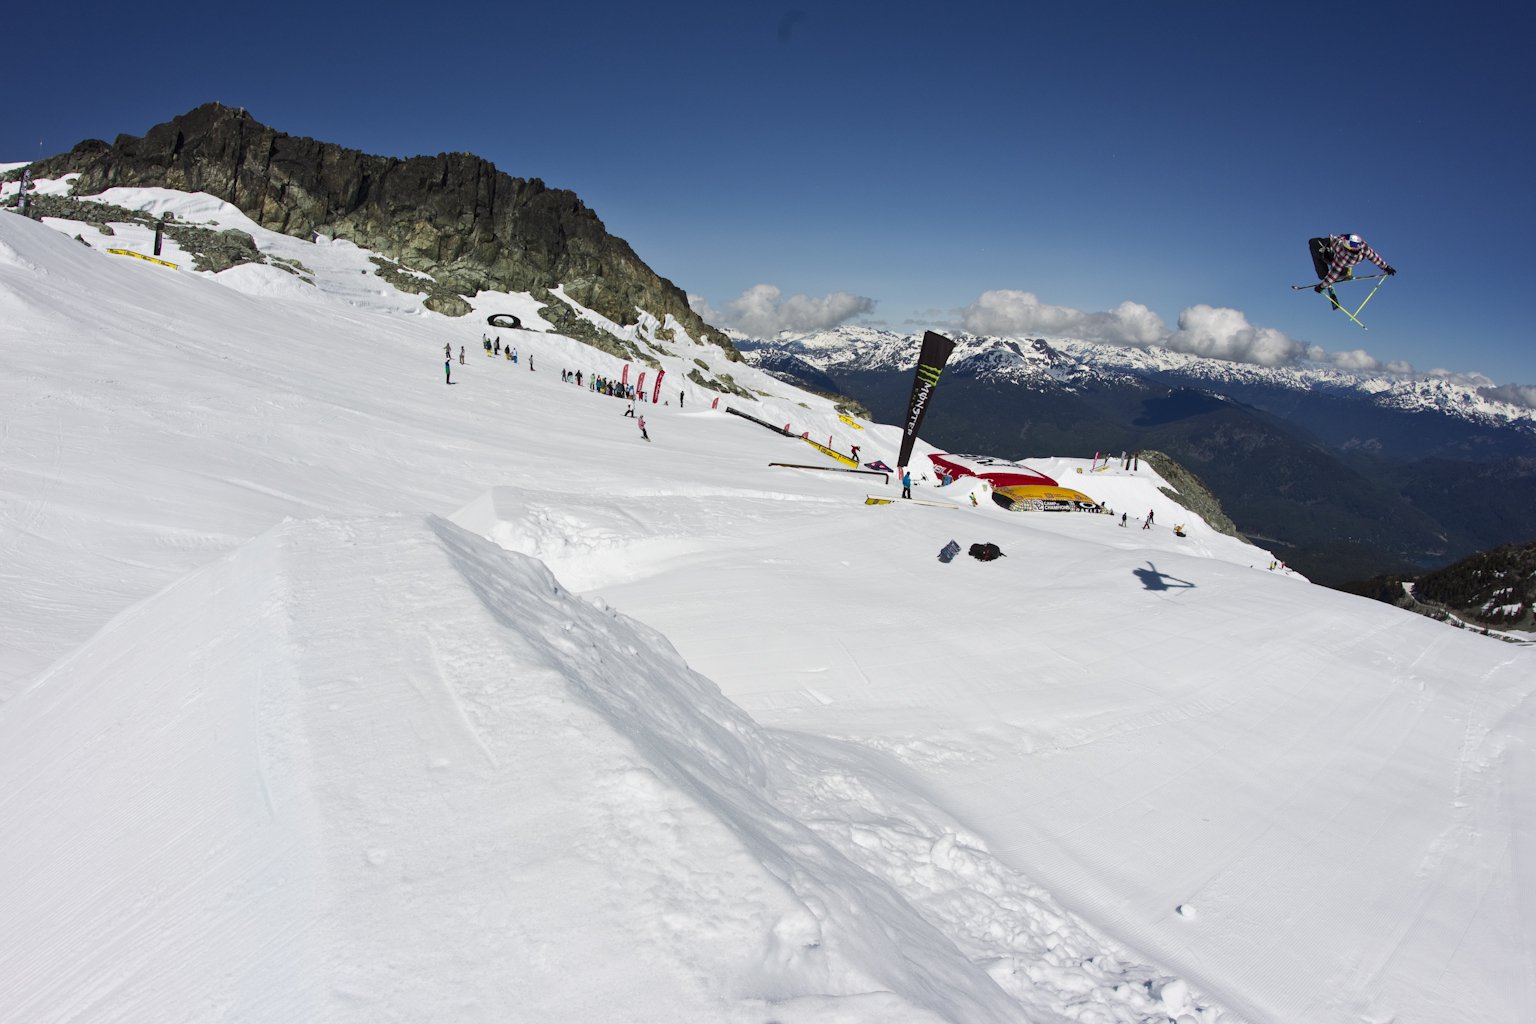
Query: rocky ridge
453, 217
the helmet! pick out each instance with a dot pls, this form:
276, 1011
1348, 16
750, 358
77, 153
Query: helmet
1354, 242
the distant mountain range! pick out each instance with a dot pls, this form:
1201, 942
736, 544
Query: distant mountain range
1347, 475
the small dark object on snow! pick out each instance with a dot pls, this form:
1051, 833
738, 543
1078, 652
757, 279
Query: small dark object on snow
950, 551
986, 552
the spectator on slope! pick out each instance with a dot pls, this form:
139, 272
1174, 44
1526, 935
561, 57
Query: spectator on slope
461, 355
448, 350
496, 348
448, 371
906, 484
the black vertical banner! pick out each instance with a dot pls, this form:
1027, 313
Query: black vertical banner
930, 363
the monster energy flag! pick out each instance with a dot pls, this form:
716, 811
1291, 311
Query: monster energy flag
930, 363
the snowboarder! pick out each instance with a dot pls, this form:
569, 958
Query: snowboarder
642, 429
855, 450
448, 350
906, 484
630, 412
1122, 518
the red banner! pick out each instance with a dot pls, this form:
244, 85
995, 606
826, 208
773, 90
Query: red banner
625, 379
656, 396
640, 387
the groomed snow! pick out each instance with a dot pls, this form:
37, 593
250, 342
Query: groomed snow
329, 692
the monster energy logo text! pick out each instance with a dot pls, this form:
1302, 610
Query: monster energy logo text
930, 363
927, 377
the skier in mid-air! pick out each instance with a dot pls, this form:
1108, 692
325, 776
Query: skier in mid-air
1334, 258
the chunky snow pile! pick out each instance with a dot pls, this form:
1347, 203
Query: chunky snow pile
331, 691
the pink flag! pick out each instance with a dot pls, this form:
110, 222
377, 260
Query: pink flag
625, 379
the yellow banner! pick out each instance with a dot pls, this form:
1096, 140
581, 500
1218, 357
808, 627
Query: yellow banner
851, 423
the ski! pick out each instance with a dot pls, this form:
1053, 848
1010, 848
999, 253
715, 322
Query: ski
1355, 315
1346, 280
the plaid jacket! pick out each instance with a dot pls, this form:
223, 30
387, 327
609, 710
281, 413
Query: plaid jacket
1342, 259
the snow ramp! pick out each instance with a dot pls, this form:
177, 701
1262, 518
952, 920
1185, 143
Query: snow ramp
255, 796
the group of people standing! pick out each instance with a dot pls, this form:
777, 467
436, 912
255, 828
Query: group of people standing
493, 349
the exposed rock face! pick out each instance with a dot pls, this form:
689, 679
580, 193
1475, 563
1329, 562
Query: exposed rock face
453, 215
1192, 493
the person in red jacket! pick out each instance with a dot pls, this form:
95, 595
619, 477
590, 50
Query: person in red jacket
1334, 258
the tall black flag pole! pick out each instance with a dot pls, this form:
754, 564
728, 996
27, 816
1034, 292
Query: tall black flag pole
930, 364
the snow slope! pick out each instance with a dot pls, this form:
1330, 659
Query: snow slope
331, 692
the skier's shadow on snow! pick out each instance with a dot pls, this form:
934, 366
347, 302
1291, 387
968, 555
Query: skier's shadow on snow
1153, 579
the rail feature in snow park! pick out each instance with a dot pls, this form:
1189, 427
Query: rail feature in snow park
506, 320
141, 256
833, 469
880, 499
847, 460
761, 423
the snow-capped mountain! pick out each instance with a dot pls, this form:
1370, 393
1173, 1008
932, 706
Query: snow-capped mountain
1073, 363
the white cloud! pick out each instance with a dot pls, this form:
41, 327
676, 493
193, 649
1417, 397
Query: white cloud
1209, 331
1220, 333
1355, 359
1006, 312
1523, 395
762, 312
700, 305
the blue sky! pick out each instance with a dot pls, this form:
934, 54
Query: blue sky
1013, 167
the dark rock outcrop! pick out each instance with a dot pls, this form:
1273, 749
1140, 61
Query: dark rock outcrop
453, 216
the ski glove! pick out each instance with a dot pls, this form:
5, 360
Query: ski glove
1318, 288
1391, 271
